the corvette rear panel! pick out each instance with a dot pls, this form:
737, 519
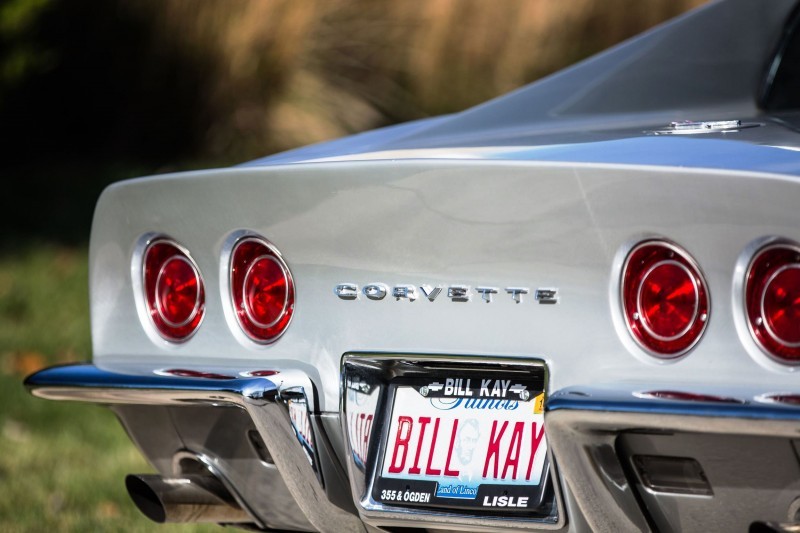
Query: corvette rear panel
514, 263
478, 223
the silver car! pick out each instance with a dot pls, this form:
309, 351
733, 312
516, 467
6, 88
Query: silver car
573, 308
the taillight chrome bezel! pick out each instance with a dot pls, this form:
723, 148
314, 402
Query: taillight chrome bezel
247, 329
769, 343
156, 323
630, 294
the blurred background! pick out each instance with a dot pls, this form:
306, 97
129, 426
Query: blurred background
94, 91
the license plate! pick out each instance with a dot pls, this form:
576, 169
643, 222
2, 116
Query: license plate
465, 442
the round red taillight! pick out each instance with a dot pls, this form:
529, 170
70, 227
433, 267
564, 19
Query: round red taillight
772, 301
262, 289
173, 289
664, 298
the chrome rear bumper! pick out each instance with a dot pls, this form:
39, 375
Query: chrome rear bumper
282, 488
285, 463
748, 452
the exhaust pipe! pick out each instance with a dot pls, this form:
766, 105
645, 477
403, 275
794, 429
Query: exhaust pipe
192, 498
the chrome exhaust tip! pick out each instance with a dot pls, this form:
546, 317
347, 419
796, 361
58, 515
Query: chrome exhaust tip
191, 498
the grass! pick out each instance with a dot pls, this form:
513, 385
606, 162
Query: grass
62, 464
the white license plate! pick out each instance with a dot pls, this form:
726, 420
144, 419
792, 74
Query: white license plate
466, 443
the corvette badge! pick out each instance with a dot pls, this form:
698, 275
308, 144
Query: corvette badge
455, 293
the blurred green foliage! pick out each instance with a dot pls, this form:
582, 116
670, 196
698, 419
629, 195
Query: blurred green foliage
22, 55
62, 465
43, 303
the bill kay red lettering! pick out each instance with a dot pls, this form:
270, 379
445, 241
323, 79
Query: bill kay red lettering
405, 428
510, 446
401, 441
513, 450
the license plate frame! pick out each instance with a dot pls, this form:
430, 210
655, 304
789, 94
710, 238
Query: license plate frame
496, 496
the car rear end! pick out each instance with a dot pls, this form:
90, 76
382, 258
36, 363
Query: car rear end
575, 308
459, 352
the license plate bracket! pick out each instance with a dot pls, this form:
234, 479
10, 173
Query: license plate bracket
465, 440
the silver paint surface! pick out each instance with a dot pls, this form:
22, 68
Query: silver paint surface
418, 225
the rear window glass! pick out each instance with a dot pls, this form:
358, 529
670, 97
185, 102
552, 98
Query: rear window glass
782, 87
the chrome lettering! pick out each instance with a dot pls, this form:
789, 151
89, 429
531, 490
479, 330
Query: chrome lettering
405, 291
516, 293
375, 291
546, 296
430, 292
486, 293
458, 293
346, 291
